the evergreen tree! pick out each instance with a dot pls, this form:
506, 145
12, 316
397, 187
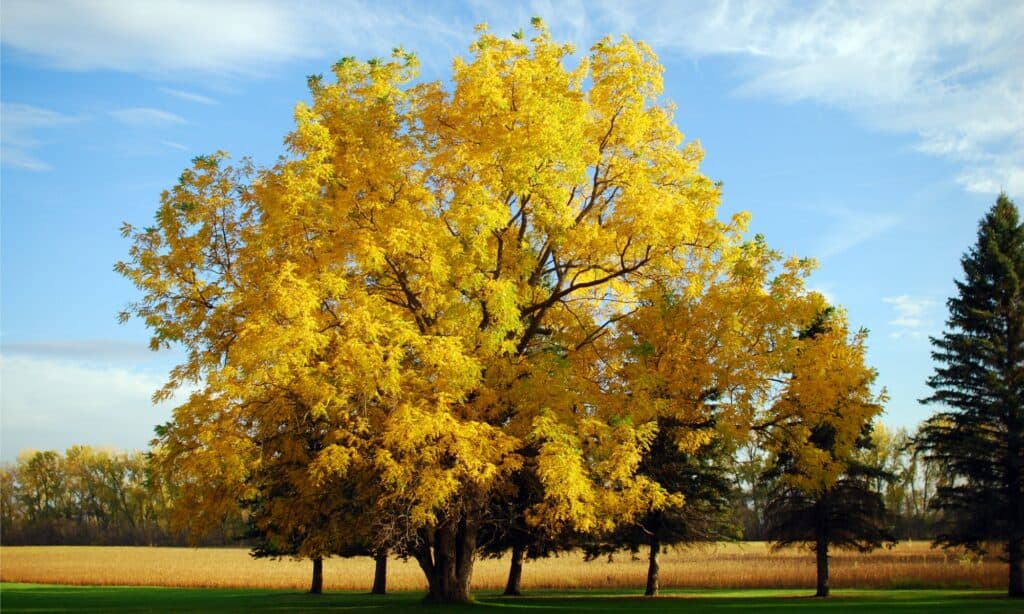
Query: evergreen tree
822, 491
979, 437
509, 528
849, 514
702, 477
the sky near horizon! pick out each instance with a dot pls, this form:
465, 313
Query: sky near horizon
871, 136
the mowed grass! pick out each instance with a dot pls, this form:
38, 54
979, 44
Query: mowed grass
36, 598
735, 565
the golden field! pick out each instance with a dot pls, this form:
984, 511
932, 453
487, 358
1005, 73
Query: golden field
735, 565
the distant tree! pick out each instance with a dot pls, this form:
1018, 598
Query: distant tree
822, 491
10, 510
890, 451
979, 379
83, 496
750, 492
922, 476
908, 482
42, 481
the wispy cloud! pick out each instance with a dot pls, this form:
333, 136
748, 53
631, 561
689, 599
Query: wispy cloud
185, 37
189, 96
912, 315
175, 145
19, 128
850, 228
947, 73
103, 350
146, 116
154, 37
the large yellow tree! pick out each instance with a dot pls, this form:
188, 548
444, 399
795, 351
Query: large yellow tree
432, 272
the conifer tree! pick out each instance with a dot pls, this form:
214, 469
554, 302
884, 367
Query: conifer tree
822, 493
979, 379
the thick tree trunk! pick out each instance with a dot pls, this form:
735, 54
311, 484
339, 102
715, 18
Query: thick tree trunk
380, 574
653, 568
515, 571
448, 565
822, 553
1014, 551
317, 586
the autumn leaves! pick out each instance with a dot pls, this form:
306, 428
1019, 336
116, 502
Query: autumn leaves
435, 290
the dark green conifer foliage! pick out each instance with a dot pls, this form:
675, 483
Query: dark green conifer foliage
850, 515
978, 436
706, 517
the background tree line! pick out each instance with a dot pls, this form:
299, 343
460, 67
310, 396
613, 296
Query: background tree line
92, 496
96, 496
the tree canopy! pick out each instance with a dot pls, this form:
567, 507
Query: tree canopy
440, 286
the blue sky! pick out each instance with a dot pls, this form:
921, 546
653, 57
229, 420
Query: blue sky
869, 135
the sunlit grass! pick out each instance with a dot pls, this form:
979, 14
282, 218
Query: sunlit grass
36, 598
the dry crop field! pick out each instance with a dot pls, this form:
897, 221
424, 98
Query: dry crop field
736, 565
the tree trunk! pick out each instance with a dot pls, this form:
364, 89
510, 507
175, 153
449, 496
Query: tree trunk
822, 552
653, 568
317, 586
380, 574
1015, 537
515, 571
448, 563
1014, 553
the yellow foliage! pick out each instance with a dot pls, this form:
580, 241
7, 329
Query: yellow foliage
434, 280
828, 390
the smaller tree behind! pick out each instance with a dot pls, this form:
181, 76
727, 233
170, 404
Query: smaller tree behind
822, 491
979, 439
705, 514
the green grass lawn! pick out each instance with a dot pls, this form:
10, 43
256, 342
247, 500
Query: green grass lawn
50, 598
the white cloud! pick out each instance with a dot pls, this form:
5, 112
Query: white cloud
128, 352
189, 96
175, 145
19, 128
48, 403
851, 228
141, 116
156, 36
948, 73
182, 37
911, 315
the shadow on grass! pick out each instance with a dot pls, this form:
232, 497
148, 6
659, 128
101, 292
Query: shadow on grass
51, 598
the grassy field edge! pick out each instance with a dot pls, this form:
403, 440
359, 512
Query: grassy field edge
24, 597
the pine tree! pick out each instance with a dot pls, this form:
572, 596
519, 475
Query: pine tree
818, 431
849, 514
979, 436
705, 516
